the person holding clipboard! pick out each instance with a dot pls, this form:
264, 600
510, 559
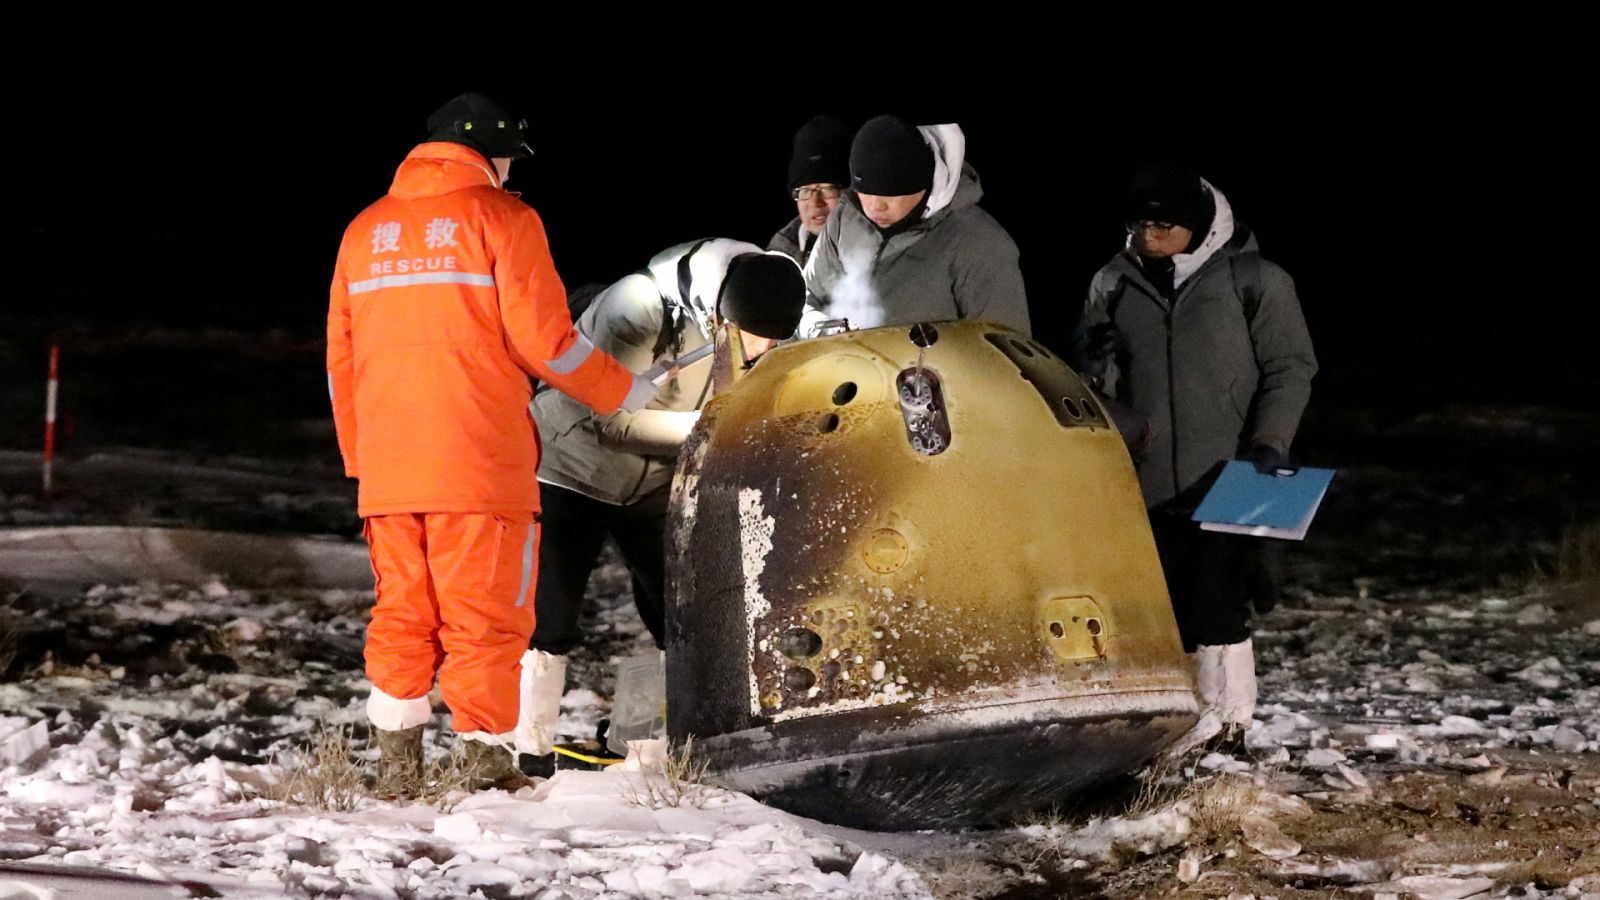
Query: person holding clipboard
1189, 326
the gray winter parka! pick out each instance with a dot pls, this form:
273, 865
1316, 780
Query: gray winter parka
1211, 379
621, 457
956, 262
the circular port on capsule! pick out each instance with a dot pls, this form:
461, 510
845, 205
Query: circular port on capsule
924, 335
799, 643
799, 679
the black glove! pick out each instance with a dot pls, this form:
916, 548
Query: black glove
1269, 460
1096, 348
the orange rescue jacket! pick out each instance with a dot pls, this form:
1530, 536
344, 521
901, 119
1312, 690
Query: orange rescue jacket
444, 301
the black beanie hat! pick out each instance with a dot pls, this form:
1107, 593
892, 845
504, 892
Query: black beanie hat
764, 294
1170, 192
890, 158
821, 153
482, 124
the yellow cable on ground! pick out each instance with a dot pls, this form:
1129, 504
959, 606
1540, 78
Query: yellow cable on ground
584, 757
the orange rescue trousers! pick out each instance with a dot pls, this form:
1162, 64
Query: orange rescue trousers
455, 597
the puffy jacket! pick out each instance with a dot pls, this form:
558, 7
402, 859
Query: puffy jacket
956, 262
793, 241
646, 319
1211, 377
444, 301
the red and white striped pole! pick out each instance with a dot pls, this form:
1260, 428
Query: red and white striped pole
50, 390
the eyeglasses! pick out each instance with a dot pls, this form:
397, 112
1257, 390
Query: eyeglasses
1152, 227
826, 192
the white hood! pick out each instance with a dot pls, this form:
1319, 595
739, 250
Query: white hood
707, 269
1186, 264
949, 145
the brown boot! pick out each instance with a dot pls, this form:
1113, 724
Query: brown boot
492, 767
399, 763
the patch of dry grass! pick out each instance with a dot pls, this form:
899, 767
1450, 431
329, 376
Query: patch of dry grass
48, 667
1160, 785
1577, 567
680, 781
967, 879
9, 639
1578, 557
448, 779
325, 774
1215, 807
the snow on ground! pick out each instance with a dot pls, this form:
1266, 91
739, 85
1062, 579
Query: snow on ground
154, 752
1417, 736
146, 725
1423, 676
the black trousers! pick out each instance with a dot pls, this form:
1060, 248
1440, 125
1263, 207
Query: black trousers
1215, 579
574, 530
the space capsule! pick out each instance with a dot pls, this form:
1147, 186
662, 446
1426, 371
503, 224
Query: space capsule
912, 583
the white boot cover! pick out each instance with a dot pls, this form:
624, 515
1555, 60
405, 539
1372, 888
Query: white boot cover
543, 681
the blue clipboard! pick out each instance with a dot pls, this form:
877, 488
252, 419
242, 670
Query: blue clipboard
1244, 501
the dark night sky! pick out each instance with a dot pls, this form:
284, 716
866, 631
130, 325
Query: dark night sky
1402, 206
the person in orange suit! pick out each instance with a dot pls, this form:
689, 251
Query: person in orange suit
444, 300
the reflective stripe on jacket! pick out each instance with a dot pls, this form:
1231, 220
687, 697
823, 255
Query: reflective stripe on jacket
444, 301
